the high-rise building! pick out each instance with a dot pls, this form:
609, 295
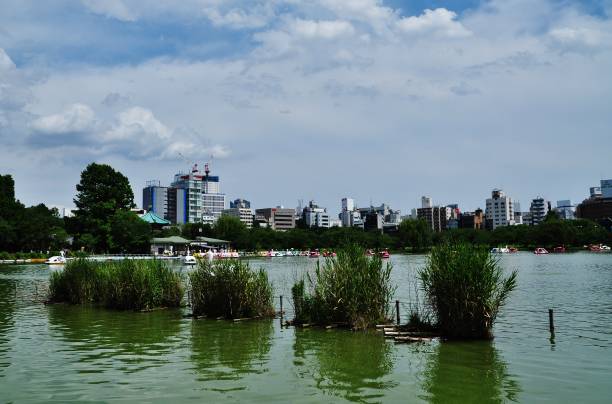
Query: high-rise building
315, 216
348, 204
426, 202
188, 197
436, 217
606, 188
213, 201
499, 210
347, 213
278, 218
565, 210
539, 209
155, 199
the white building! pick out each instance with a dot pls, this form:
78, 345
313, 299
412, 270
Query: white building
426, 202
315, 216
499, 210
244, 214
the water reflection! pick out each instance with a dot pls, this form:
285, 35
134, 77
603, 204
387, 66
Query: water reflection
352, 365
105, 339
7, 313
223, 351
469, 372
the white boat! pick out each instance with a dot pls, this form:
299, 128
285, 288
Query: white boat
500, 250
189, 260
57, 259
540, 250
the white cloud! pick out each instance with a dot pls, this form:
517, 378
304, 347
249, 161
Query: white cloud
75, 119
237, 18
580, 39
139, 124
110, 8
321, 29
440, 22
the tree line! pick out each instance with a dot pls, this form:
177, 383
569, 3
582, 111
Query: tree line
104, 223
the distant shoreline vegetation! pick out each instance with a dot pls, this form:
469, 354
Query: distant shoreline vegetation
104, 223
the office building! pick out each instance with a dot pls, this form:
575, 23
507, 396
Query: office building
244, 214
595, 192
155, 199
598, 207
278, 218
188, 196
499, 210
426, 202
539, 209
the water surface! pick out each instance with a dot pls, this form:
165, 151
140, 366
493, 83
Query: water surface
63, 353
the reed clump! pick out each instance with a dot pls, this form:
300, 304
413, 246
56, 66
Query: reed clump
123, 285
466, 288
351, 289
230, 289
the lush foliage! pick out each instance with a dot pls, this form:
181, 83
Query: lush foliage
35, 228
126, 285
351, 288
129, 233
230, 289
101, 193
466, 288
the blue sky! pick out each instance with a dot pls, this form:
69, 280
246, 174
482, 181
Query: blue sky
383, 101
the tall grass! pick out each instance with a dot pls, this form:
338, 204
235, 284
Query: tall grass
351, 288
124, 285
230, 289
466, 288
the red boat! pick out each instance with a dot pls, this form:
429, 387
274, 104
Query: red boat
385, 254
559, 249
314, 254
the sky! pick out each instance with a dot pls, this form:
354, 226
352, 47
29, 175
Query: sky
378, 100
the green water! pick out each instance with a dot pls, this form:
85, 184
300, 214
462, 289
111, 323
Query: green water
73, 354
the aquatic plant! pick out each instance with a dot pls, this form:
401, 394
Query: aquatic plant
466, 288
230, 289
352, 288
125, 285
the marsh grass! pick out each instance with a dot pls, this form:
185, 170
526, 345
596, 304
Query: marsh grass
466, 287
123, 285
230, 289
352, 288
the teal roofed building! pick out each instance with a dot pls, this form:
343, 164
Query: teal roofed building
154, 220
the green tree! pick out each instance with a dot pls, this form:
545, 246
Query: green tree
129, 233
416, 234
102, 192
229, 228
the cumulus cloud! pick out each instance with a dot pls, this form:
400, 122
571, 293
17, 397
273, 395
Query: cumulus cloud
135, 133
75, 119
440, 21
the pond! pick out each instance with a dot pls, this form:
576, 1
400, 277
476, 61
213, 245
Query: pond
64, 353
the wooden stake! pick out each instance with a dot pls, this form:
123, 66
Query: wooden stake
551, 322
397, 312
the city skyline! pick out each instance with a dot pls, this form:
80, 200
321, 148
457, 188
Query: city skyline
382, 101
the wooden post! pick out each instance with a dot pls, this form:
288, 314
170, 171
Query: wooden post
551, 322
281, 305
397, 312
